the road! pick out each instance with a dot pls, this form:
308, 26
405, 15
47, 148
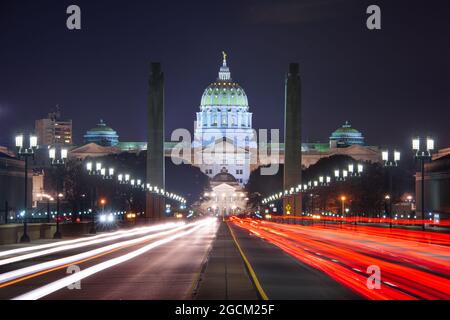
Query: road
412, 264
156, 262
263, 258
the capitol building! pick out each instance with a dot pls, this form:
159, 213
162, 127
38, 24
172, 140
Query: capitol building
225, 143
223, 129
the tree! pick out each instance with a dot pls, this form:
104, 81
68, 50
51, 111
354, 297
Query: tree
364, 195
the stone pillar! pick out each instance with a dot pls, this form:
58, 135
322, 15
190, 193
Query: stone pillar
155, 147
292, 138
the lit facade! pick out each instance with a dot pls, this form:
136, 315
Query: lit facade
223, 133
53, 130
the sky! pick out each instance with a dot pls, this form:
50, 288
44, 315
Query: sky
391, 84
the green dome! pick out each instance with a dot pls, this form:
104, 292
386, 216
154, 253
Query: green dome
347, 136
345, 130
224, 93
102, 135
102, 128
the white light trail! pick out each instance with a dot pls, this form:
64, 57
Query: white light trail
84, 243
61, 243
62, 283
15, 274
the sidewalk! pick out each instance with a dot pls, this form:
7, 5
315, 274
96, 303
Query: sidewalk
224, 276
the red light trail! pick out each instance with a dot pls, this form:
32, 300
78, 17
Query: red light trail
413, 264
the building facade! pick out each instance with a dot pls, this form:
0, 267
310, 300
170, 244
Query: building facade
223, 133
437, 187
12, 185
225, 197
54, 130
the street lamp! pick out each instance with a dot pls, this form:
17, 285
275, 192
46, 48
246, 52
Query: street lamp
58, 160
107, 174
423, 148
390, 161
103, 202
26, 150
94, 169
324, 181
343, 198
359, 169
340, 176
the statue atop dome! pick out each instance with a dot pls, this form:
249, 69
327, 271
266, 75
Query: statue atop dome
224, 73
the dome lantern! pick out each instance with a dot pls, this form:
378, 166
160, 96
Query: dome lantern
224, 73
224, 91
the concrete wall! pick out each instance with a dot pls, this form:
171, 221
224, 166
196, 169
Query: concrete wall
11, 233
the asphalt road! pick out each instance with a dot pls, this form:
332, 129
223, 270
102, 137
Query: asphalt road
322, 262
181, 261
154, 264
283, 277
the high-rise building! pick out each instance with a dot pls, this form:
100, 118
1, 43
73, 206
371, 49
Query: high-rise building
54, 130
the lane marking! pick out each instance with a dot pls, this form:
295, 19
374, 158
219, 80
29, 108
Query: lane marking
252, 272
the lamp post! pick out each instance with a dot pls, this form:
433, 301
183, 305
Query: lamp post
58, 157
324, 181
94, 170
423, 148
343, 198
351, 170
26, 150
390, 161
340, 175
103, 202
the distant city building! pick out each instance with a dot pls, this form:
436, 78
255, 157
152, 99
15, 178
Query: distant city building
38, 186
102, 135
92, 150
313, 152
54, 130
346, 136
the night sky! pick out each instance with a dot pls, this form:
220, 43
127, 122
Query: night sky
391, 83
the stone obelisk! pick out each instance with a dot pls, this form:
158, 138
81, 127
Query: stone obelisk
292, 204
155, 142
